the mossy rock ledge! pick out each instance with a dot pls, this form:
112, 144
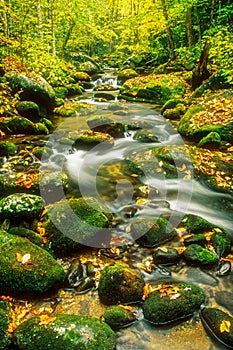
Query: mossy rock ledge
219, 325
21, 206
69, 332
171, 302
120, 284
199, 256
117, 316
25, 267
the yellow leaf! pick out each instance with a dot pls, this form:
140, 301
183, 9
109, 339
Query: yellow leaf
225, 326
44, 320
19, 257
147, 290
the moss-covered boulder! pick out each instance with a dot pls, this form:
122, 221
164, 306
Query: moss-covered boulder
104, 96
218, 325
166, 256
28, 109
74, 90
5, 340
53, 185
21, 206
126, 74
19, 182
156, 88
212, 140
221, 242
20, 125
70, 332
120, 284
172, 301
197, 255
27, 233
119, 316
60, 92
197, 238
90, 138
214, 115
106, 125
197, 224
150, 232
25, 267
89, 67
76, 221
35, 89
71, 109
7, 148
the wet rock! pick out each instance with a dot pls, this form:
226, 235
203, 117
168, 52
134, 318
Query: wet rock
19, 125
105, 87
119, 316
221, 243
60, 92
172, 301
145, 136
120, 284
224, 268
198, 238
89, 68
173, 113
21, 206
74, 90
104, 95
106, 125
35, 89
171, 104
219, 325
197, 255
156, 88
7, 148
80, 278
81, 76
225, 298
25, 267
76, 221
150, 232
53, 185
166, 256
5, 340
19, 182
64, 332
71, 109
28, 109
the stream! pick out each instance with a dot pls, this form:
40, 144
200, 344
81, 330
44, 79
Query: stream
100, 172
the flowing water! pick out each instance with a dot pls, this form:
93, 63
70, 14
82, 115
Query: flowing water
102, 172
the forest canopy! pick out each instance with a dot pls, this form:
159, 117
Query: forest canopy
41, 31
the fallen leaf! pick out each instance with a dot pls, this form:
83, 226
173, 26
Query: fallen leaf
225, 326
44, 320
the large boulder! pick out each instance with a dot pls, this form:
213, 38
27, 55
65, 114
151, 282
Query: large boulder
156, 88
25, 267
20, 125
70, 332
35, 89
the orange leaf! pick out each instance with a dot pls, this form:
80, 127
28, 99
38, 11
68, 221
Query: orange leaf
44, 320
225, 326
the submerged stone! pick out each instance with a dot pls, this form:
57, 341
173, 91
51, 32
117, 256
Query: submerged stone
21, 206
172, 301
145, 136
150, 232
64, 332
106, 125
219, 325
7, 148
197, 255
195, 223
221, 243
166, 256
25, 267
120, 284
119, 316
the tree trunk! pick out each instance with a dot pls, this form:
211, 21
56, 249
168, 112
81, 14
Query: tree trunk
168, 30
200, 72
189, 29
4, 18
68, 34
53, 28
40, 23
212, 11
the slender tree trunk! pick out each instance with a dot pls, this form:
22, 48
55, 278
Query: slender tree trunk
53, 27
212, 11
68, 34
4, 19
168, 29
40, 23
198, 24
189, 29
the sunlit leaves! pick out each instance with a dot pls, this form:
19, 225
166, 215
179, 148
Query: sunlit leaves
225, 326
